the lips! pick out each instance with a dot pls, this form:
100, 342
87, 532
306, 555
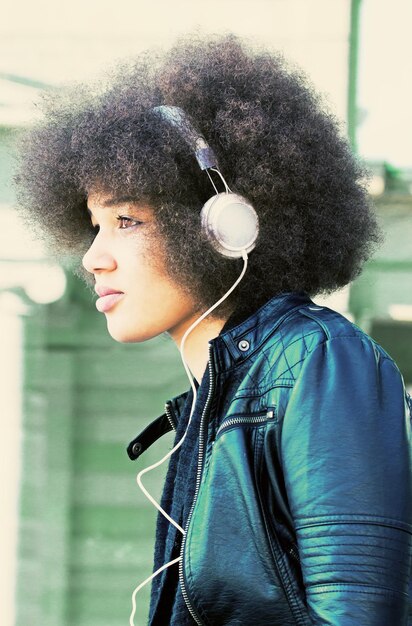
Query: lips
108, 298
105, 291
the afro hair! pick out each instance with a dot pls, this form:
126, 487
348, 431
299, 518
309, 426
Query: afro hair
277, 145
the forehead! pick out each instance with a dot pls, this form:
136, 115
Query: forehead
101, 201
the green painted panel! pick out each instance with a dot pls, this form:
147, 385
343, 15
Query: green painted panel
113, 405
387, 278
125, 521
396, 338
95, 458
88, 609
7, 154
90, 587
116, 428
87, 532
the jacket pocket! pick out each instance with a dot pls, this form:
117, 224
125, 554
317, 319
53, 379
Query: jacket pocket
251, 419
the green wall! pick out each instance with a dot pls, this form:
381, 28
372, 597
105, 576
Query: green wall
8, 138
387, 280
86, 530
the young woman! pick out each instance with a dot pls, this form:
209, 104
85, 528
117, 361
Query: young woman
287, 498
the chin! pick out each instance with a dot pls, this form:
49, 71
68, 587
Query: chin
124, 335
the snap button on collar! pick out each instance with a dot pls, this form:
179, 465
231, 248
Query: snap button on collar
243, 345
137, 448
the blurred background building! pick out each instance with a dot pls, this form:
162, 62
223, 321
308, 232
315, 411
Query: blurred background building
76, 534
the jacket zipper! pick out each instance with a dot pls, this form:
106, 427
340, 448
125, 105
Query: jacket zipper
252, 419
169, 416
198, 480
294, 553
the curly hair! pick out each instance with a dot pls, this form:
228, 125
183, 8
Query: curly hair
277, 145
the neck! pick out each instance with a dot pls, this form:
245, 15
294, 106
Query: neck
196, 347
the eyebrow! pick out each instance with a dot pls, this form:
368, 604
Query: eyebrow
118, 200
113, 201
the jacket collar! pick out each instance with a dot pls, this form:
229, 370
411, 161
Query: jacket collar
159, 427
237, 343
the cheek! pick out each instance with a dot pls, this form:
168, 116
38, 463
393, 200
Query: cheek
147, 265
154, 290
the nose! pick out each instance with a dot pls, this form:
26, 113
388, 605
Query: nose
98, 257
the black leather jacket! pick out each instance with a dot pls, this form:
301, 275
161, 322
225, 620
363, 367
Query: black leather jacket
303, 509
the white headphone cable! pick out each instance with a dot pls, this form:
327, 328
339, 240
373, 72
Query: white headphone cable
180, 442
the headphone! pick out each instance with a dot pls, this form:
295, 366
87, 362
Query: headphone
227, 219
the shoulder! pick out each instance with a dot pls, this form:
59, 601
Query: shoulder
327, 325
310, 331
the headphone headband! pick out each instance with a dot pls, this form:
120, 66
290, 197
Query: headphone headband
228, 220
176, 117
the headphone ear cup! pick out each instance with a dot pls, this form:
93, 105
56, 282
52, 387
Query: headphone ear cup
230, 223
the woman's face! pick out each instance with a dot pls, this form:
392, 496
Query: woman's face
139, 299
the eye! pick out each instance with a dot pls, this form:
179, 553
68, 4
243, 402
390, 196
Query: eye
126, 222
